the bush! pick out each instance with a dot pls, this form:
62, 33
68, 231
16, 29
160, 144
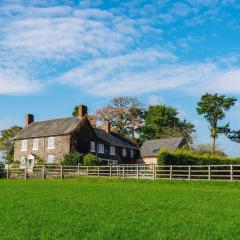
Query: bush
73, 159
186, 157
91, 160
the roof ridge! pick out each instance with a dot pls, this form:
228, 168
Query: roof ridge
51, 120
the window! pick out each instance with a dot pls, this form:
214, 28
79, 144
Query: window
155, 150
24, 145
132, 153
124, 152
51, 142
92, 147
22, 161
35, 144
50, 159
112, 150
100, 148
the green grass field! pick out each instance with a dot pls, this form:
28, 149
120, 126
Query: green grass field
119, 209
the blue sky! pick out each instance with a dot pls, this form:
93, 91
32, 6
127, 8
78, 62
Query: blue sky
56, 54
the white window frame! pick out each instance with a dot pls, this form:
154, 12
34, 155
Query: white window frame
124, 152
132, 153
100, 148
92, 147
24, 146
51, 142
35, 144
112, 150
22, 161
50, 159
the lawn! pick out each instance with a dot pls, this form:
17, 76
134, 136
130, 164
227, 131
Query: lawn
119, 209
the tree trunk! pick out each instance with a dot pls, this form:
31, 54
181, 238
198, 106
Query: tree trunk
213, 145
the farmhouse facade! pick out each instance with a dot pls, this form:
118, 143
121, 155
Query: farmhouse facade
49, 141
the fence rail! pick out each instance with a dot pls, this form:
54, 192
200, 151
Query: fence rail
193, 172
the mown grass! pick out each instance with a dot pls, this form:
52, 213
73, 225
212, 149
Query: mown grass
118, 209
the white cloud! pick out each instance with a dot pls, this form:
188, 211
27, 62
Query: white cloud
17, 83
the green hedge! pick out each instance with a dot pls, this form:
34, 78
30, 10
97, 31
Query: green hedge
186, 157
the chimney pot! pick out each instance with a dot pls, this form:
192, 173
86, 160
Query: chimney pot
82, 111
106, 127
29, 119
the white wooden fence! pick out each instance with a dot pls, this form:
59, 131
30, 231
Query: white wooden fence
193, 172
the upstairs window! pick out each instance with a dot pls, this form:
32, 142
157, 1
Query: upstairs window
50, 159
100, 148
51, 142
132, 153
92, 147
112, 150
24, 145
124, 152
35, 144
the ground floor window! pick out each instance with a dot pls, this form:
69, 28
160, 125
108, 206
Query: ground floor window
50, 159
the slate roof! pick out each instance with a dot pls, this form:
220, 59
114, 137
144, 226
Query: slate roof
150, 148
53, 127
114, 139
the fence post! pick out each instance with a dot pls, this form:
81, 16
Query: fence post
98, 171
61, 171
110, 171
209, 172
25, 172
78, 169
154, 172
189, 173
43, 172
123, 171
171, 170
8, 175
137, 172
87, 171
231, 172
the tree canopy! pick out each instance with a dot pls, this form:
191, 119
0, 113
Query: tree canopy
7, 142
125, 114
163, 121
213, 107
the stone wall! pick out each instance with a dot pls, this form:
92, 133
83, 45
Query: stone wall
62, 147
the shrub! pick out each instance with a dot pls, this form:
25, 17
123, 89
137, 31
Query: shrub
91, 160
186, 157
73, 159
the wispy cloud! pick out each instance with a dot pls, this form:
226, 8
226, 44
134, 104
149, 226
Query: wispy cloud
122, 47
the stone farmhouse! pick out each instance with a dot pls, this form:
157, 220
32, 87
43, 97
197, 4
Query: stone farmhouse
51, 140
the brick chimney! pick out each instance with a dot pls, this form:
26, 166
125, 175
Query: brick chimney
106, 127
82, 111
29, 119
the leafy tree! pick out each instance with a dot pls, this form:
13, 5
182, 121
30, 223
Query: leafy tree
92, 118
75, 111
73, 159
125, 115
91, 160
206, 149
7, 142
213, 108
234, 136
162, 121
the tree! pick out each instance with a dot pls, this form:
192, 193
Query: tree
7, 142
125, 114
73, 159
162, 121
206, 149
234, 136
91, 160
213, 107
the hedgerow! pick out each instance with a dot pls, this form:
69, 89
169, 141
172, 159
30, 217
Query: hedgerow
186, 157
